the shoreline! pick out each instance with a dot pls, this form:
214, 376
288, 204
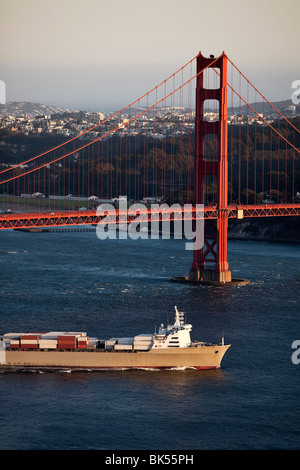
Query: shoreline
288, 241
245, 238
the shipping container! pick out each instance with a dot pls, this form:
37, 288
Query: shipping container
125, 341
29, 341
29, 336
143, 337
67, 337
76, 333
123, 347
111, 341
12, 336
143, 347
53, 334
65, 341
94, 343
141, 343
47, 343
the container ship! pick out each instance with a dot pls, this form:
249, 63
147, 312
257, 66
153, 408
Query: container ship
169, 348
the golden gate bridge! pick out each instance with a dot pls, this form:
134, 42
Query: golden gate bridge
233, 153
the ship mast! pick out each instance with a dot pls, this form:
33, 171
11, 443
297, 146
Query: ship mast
179, 317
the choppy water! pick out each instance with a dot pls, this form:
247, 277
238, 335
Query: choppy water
74, 281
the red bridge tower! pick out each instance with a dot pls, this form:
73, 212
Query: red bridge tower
210, 263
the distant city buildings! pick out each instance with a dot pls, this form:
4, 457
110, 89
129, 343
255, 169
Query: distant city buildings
161, 123
50, 124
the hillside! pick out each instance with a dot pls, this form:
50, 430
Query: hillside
19, 108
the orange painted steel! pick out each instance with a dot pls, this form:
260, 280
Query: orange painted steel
90, 217
215, 235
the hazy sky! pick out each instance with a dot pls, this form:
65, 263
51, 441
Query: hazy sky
100, 54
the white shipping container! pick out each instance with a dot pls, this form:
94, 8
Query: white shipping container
12, 335
143, 337
52, 334
76, 333
93, 340
123, 347
110, 342
29, 341
48, 343
36, 333
142, 343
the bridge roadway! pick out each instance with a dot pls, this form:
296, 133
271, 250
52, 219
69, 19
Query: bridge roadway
91, 217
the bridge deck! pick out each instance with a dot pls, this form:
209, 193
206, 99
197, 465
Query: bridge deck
90, 217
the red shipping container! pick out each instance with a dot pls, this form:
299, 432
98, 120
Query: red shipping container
29, 346
66, 340
67, 343
66, 346
35, 337
67, 337
81, 346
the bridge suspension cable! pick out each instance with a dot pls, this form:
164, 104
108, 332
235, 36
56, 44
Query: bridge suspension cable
262, 96
103, 121
103, 136
132, 156
261, 117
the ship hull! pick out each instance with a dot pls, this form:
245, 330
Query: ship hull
199, 358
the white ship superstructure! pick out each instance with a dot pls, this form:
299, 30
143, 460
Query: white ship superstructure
173, 336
